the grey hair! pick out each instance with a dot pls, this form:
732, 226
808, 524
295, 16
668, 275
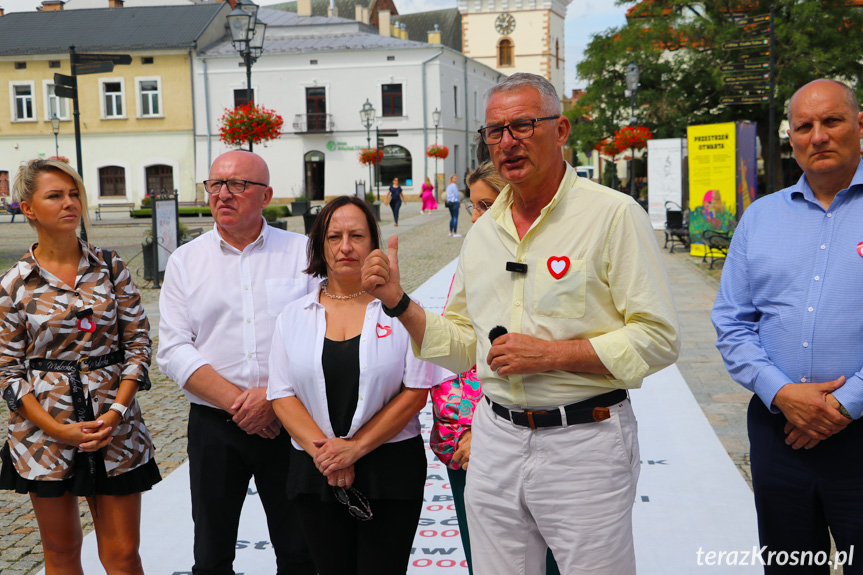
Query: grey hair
521, 80
850, 96
26, 183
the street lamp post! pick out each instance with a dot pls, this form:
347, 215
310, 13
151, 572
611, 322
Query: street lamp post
247, 36
436, 120
55, 127
632, 88
367, 117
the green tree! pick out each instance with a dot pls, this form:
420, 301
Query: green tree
677, 46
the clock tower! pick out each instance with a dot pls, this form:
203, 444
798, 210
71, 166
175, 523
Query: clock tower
516, 36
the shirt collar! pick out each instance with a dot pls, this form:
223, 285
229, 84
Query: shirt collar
501, 209
258, 243
28, 263
803, 189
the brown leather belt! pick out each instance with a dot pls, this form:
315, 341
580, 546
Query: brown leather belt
587, 411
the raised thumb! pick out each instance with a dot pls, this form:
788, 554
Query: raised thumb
393, 250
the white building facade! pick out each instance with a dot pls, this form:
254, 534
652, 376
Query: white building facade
317, 73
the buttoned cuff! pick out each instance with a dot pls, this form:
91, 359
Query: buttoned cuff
768, 383
183, 364
850, 395
619, 357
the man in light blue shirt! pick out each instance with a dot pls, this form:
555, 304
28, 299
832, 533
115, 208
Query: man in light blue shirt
789, 324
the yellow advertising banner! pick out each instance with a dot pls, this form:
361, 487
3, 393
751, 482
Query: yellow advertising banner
712, 181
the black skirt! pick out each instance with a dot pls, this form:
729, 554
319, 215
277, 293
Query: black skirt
140, 479
392, 471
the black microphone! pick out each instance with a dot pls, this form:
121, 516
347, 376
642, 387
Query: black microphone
496, 332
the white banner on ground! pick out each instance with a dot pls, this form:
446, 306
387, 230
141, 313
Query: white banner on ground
691, 498
664, 177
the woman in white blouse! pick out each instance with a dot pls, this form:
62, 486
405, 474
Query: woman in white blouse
347, 387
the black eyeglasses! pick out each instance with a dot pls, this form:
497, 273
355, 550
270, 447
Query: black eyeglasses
519, 130
481, 206
234, 186
361, 510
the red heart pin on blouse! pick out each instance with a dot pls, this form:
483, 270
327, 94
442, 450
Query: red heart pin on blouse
860, 249
84, 324
558, 266
384, 331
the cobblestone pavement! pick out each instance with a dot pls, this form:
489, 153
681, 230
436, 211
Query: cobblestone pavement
424, 248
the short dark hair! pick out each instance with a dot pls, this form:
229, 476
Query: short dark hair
315, 250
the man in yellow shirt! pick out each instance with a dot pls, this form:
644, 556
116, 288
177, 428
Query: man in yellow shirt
572, 270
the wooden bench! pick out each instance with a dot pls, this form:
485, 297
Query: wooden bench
716, 245
676, 226
123, 206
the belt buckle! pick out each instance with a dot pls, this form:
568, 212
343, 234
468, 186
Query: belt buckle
82, 366
529, 413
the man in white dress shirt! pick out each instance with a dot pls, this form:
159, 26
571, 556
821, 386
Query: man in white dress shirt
219, 302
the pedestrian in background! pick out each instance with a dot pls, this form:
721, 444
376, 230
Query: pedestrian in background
452, 203
74, 351
428, 197
219, 303
395, 199
789, 328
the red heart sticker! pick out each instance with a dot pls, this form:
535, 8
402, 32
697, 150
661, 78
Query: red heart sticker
558, 266
84, 324
384, 331
860, 249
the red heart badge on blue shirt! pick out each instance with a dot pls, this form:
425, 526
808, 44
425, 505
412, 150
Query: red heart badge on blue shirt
558, 266
860, 249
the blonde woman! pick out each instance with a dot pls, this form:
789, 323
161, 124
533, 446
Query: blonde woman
74, 350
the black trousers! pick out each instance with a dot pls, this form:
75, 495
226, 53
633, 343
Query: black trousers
343, 545
799, 494
222, 460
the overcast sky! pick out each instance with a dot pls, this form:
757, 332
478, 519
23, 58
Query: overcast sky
583, 19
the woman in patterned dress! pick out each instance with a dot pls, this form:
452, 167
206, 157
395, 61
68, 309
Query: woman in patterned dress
74, 350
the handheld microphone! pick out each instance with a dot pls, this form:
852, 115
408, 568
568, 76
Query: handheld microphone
496, 332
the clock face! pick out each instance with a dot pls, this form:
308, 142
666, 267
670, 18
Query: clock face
504, 23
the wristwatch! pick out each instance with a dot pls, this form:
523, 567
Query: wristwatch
844, 411
120, 409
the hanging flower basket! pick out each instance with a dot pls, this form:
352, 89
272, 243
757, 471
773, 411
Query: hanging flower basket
60, 159
632, 137
371, 156
247, 123
437, 151
608, 147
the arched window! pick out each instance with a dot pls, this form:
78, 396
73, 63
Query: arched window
505, 51
112, 182
160, 177
314, 170
396, 163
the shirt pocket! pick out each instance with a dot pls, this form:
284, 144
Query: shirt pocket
563, 297
281, 292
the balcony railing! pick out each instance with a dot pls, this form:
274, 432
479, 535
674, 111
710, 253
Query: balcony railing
313, 123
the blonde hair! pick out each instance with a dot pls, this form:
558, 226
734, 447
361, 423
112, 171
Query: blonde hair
26, 183
488, 174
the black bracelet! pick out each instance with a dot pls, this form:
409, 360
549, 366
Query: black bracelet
400, 307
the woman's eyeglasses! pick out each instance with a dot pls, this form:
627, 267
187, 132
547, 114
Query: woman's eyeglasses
358, 505
481, 206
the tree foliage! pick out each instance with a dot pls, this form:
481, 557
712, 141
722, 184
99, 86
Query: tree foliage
677, 46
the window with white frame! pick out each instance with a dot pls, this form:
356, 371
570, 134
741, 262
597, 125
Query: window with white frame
113, 99
54, 105
22, 102
150, 97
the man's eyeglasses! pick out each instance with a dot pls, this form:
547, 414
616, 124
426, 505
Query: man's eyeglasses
234, 186
519, 130
481, 206
358, 505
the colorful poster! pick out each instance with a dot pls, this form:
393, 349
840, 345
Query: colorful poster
664, 177
747, 158
712, 181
